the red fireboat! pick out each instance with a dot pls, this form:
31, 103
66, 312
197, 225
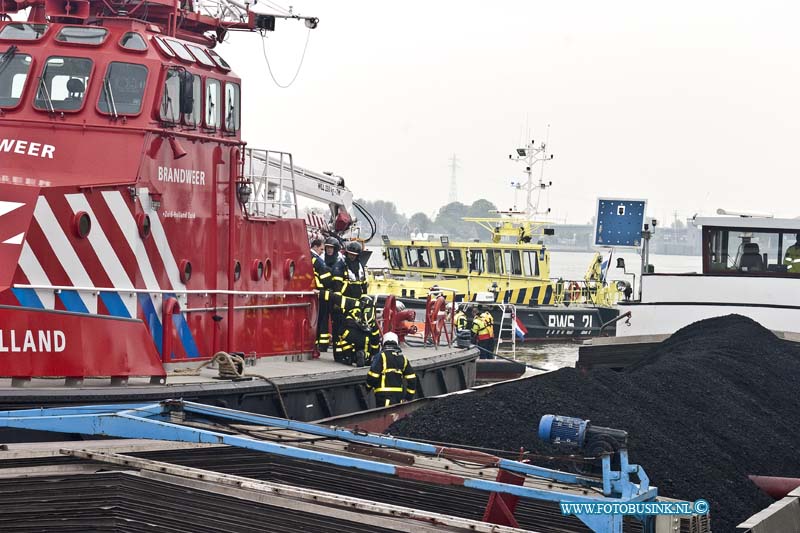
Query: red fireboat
137, 230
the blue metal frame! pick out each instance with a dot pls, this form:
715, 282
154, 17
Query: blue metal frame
152, 421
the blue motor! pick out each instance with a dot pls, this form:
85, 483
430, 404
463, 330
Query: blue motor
557, 429
579, 433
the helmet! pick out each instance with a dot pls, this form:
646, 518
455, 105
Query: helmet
400, 306
332, 241
390, 338
353, 247
366, 299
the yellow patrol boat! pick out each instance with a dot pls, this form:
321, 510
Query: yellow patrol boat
512, 268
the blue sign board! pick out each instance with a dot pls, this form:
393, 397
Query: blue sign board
619, 222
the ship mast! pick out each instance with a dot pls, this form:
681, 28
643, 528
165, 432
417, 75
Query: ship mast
531, 154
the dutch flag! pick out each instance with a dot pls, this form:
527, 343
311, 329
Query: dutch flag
519, 329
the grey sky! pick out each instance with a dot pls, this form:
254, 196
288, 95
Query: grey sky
692, 105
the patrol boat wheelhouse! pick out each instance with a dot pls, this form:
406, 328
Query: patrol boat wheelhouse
746, 270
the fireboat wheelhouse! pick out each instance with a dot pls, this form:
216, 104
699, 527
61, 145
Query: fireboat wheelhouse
137, 232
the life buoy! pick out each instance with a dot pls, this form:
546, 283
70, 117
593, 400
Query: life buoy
574, 291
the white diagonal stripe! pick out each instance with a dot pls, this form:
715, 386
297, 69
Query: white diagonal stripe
105, 252
16, 239
64, 252
7, 207
36, 276
127, 224
160, 238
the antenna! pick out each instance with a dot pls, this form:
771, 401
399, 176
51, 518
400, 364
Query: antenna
453, 183
531, 154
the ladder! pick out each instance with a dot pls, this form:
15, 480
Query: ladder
509, 313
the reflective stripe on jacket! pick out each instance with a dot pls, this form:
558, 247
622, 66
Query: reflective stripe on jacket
390, 371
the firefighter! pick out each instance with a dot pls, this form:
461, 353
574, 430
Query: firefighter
354, 276
333, 289
460, 319
391, 376
360, 339
322, 284
483, 334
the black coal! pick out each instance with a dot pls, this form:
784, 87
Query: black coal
714, 402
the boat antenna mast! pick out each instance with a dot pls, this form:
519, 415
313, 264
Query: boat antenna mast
532, 154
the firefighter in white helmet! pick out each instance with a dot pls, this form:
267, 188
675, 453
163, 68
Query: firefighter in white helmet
391, 376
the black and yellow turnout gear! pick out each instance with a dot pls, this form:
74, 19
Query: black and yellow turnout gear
460, 320
483, 330
360, 338
391, 377
323, 282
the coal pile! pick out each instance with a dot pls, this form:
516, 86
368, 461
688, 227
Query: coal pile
715, 402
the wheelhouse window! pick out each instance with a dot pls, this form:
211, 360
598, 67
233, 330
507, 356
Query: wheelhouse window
530, 264
513, 263
180, 50
14, 70
231, 107
395, 258
494, 261
162, 46
133, 41
418, 257
23, 31
87, 35
123, 89
212, 103
200, 55
180, 97
454, 258
743, 251
221, 63
170, 97
63, 84
476, 261
441, 258
193, 117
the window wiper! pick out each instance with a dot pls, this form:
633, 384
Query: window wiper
112, 106
43, 90
8, 55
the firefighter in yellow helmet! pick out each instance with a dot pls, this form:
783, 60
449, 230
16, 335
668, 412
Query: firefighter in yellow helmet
391, 376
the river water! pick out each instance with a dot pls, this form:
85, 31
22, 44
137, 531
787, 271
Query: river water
573, 265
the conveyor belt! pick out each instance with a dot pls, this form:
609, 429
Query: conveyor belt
544, 517
116, 502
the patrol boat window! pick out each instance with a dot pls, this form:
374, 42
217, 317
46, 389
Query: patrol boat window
530, 263
512, 262
133, 41
494, 261
14, 69
23, 31
395, 258
82, 35
751, 252
212, 103
63, 83
418, 257
221, 63
476, 261
123, 89
232, 107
